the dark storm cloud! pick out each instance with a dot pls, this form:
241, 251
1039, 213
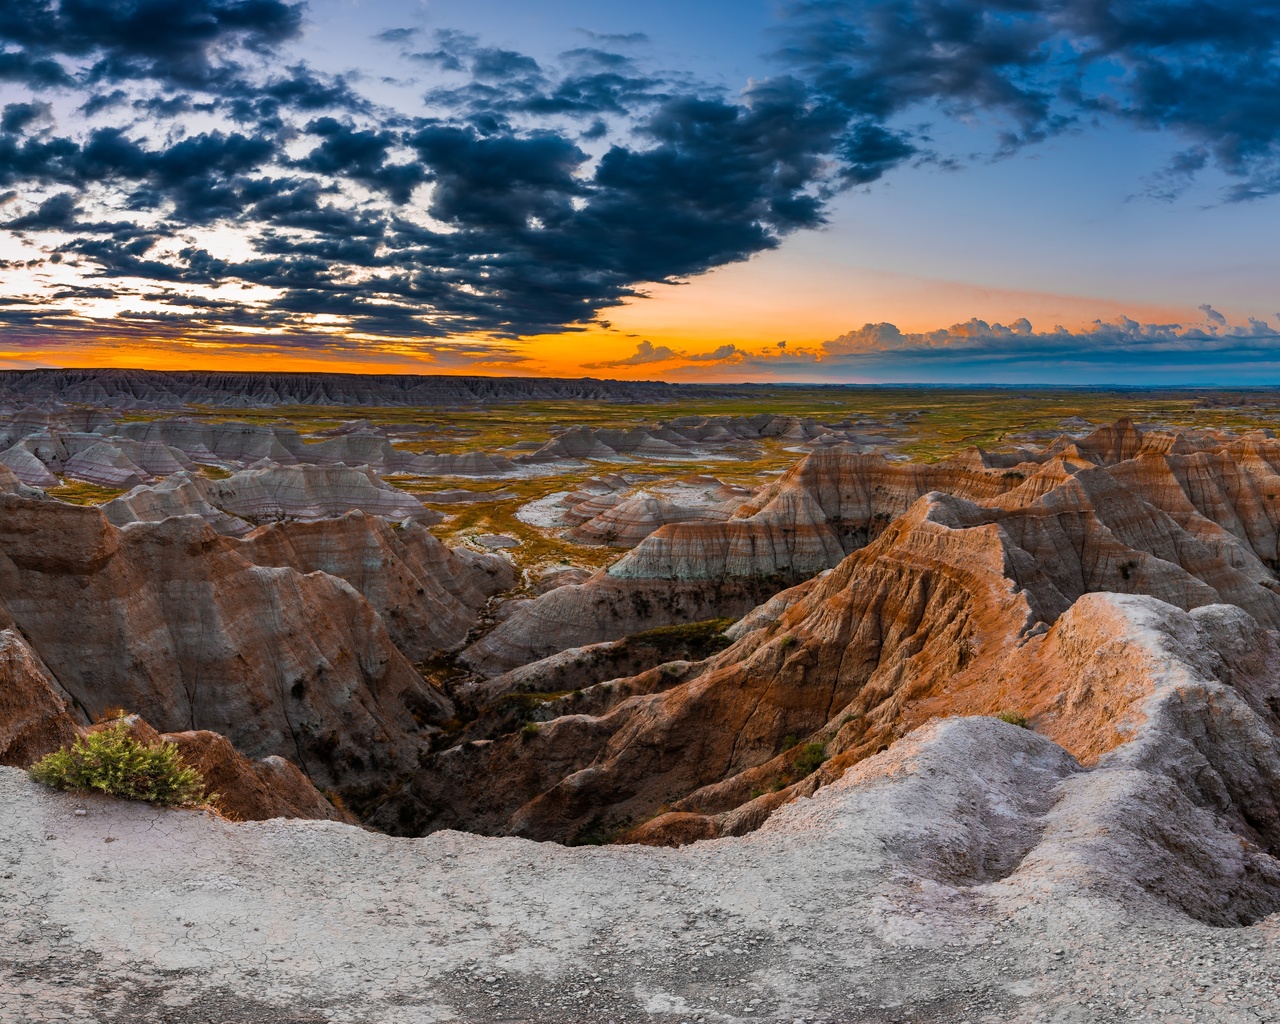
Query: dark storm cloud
38, 72
17, 117
168, 40
302, 89
361, 155
503, 82
59, 211
200, 177
1205, 70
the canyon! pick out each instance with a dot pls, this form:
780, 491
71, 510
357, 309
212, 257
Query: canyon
817, 712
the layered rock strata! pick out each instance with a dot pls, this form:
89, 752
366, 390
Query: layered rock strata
172, 621
1005, 594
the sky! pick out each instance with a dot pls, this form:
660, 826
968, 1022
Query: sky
921, 191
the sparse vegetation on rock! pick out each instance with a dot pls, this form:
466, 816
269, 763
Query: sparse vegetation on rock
113, 762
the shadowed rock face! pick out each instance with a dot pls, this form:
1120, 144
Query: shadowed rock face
604, 609
35, 714
172, 621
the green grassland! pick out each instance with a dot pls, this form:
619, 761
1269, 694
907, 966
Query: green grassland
73, 492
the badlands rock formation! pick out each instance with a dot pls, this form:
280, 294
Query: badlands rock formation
837, 500
268, 494
818, 816
181, 625
977, 601
428, 595
683, 435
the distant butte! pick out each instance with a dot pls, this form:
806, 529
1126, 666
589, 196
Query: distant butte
173, 389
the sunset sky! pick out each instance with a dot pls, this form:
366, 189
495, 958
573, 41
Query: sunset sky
1029, 191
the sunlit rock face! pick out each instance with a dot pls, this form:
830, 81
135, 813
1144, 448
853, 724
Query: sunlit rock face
1118, 593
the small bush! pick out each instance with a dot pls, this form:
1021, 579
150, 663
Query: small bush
113, 762
788, 742
787, 642
530, 730
810, 760
1014, 718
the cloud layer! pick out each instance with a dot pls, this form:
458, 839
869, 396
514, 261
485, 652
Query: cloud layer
156, 178
1213, 351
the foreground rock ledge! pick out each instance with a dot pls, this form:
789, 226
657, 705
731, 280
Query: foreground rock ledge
954, 877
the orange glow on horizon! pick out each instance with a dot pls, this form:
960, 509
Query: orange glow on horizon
752, 306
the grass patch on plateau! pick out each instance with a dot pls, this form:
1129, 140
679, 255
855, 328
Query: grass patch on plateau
76, 493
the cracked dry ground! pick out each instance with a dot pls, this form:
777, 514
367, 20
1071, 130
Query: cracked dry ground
125, 913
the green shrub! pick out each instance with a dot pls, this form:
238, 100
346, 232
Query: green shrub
789, 741
1014, 718
787, 642
696, 639
810, 759
113, 762
530, 730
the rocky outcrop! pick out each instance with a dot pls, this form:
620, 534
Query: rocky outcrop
170, 620
272, 493
26, 467
633, 518
428, 595
268, 494
36, 715
832, 503
179, 495
253, 790
105, 465
11, 484
228, 443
